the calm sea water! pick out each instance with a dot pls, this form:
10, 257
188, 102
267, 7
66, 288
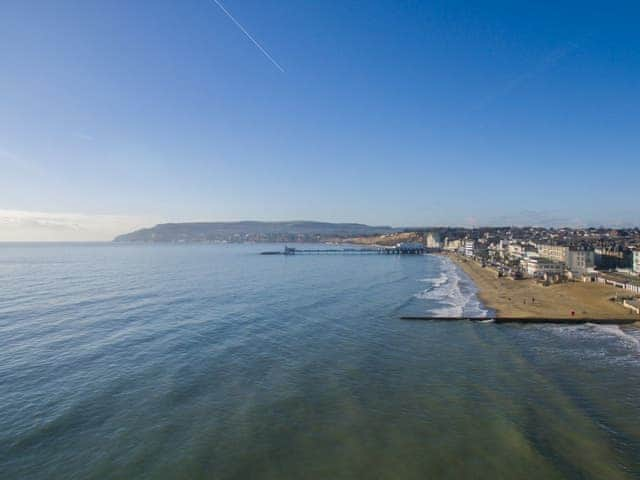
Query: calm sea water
121, 361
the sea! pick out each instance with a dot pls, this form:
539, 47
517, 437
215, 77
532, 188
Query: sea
123, 361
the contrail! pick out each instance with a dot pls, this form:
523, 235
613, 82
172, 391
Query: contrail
266, 54
546, 63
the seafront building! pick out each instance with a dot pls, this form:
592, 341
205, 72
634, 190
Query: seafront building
539, 267
521, 250
515, 250
613, 256
547, 253
558, 253
451, 244
468, 248
578, 260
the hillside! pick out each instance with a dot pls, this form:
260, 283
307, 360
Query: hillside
388, 239
250, 231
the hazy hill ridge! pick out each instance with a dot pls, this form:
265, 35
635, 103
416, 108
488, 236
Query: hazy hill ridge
251, 231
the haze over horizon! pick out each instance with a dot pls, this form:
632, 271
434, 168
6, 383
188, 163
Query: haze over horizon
123, 115
20, 226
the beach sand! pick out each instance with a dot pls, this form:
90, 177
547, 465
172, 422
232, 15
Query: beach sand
526, 298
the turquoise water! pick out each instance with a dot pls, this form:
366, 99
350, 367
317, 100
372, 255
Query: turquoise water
123, 361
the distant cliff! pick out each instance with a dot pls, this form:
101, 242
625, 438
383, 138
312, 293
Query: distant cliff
388, 239
208, 232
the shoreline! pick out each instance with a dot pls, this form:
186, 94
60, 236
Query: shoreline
508, 298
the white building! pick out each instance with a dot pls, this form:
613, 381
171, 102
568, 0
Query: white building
580, 261
452, 245
503, 247
554, 252
636, 261
468, 248
542, 267
577, 260
433, 240
539, 267
515, 250
521, 250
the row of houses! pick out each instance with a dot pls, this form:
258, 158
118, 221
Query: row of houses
539, 251
535, 260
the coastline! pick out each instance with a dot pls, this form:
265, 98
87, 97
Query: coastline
527, 299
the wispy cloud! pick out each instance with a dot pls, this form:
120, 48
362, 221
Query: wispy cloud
248, 35
21, 225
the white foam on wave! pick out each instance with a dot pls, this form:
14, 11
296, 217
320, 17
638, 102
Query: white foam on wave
446, 290
437, 281
616, 331
592, 331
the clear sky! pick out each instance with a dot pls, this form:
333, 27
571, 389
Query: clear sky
117, 114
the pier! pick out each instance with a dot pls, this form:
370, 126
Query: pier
400, 249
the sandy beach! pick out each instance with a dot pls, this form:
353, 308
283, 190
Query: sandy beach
526, 298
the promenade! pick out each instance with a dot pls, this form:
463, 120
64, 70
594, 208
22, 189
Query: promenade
528, 299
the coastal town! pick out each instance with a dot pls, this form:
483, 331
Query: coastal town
588, 263
541, 272
548, 254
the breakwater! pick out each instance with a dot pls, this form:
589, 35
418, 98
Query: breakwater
565, 321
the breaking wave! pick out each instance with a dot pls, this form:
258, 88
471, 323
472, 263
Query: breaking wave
451, 294
595, 339
616, 331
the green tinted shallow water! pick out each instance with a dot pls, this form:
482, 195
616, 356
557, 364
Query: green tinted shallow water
212, 362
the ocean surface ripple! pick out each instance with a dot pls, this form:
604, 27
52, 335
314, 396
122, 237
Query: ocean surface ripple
211, 361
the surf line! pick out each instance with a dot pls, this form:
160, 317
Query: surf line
568, 321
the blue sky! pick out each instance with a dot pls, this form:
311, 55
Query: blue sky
117, 113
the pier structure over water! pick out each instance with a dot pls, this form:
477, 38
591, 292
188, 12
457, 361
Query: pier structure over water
399, 249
